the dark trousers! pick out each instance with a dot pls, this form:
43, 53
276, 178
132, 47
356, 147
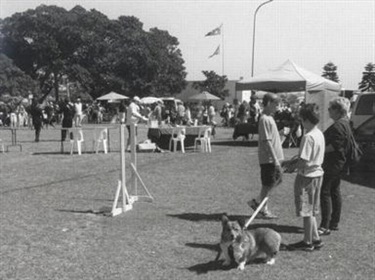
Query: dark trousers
64, 132
330, 201
38, 128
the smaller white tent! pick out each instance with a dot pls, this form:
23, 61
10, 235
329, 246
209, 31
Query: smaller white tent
290, 77
112, 96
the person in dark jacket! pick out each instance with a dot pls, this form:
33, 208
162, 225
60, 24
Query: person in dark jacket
337, 146
37, 116
67, 110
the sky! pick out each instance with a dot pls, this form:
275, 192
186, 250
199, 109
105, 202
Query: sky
309, 32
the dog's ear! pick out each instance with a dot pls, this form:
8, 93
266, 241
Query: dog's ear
224, 219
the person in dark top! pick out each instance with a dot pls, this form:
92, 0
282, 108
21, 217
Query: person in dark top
243, 111
37, 116
67, 110
337, 147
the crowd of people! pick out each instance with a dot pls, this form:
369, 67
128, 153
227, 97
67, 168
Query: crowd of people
321, 160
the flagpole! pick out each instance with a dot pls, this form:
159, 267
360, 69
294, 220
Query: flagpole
222, 46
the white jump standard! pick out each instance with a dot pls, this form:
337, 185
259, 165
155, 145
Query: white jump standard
129, 199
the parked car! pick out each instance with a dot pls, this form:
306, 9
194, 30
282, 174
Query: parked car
363, 123
171, 102
363, 109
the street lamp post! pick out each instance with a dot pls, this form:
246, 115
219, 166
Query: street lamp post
255, 17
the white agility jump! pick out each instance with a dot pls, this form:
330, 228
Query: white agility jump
127, 198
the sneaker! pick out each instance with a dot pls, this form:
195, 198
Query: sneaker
302, 245
335, 228
318, 244
324, 231
267, 215
253, 204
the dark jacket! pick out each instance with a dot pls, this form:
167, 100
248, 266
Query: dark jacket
338, 136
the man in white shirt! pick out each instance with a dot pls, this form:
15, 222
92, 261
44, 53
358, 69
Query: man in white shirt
78, 112
133, 116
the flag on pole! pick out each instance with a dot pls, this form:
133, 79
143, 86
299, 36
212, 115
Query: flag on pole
214, 32
216, 52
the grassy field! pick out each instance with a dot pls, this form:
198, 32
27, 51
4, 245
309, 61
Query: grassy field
54, 222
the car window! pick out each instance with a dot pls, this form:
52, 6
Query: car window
366, 105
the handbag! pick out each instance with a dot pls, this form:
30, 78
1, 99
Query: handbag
355, 152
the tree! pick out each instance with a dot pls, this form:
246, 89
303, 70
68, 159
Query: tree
99, 54
330, 72
214, 84
39, 43
368, 78
13, 81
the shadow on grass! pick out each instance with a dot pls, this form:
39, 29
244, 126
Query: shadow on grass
196, 217
50, 184
213, 265
104, 211
216, 264
203, 268
42, 140
64, 153
234, 143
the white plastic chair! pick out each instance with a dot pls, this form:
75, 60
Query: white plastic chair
178, 135
204, 139
102, 138
77, 138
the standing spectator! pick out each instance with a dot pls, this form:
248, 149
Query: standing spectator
133, 116
157, 112
122, 111
211, 114
67, 110
180, 113
13, 115
224, 114
254, 110
21, 113
37, 115
188, 119
78, 112
270, 153
242, 112
309, 178
337, 146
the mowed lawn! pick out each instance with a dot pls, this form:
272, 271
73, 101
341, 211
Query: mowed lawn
54, 222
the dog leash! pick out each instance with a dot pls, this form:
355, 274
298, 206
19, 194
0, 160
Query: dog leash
256, 212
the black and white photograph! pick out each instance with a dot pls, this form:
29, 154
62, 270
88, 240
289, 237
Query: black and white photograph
187, 139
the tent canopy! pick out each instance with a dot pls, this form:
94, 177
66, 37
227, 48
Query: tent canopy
204, 96
288, 77
112, 96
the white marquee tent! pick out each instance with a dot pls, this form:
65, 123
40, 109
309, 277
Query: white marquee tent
290, 77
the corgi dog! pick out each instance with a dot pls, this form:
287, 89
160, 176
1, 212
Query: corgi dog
247, 244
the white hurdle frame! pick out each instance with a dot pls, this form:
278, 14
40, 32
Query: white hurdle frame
128, 200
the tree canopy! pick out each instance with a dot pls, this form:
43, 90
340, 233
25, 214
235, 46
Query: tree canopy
330, 72
368, 78
214, 84
51, 43
13, 81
